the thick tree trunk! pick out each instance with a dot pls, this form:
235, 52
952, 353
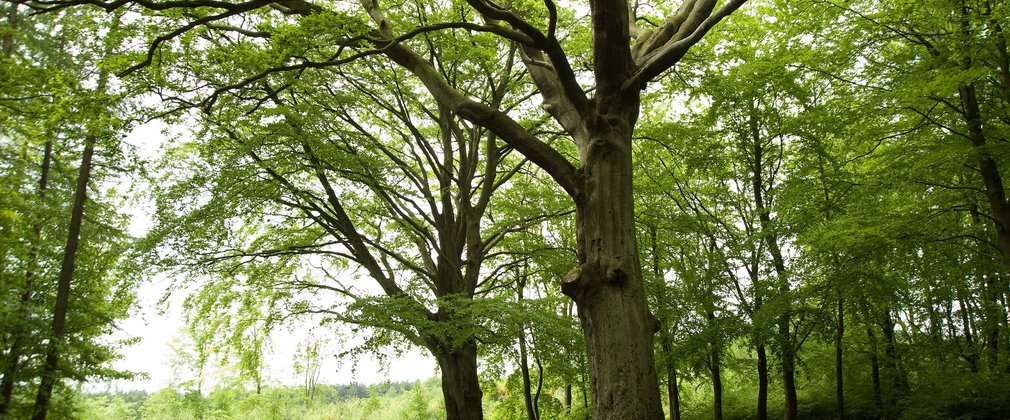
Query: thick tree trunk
51, 367
607, 286
460, 387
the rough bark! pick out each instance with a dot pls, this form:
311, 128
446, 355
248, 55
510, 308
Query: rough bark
460, 388
51, 367
607, 286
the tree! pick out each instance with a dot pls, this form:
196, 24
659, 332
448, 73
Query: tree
54, 111
382, 178
624, 57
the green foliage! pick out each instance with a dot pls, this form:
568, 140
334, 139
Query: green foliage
390, 401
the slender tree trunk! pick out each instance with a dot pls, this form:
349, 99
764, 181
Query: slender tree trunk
527, 384
788, 369
786, 345
839, 335
994, 319
607, 286
51, 368
991, 177
540, 386
762, 365
568, 399
970, 352
891, 350
20, 335
674, 391
666, 342
759, 346
716, 384
460, 387
878, 399
523, 357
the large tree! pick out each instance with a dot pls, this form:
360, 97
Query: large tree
597, 109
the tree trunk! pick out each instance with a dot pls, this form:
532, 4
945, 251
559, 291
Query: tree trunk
527, 386
786, 346
460, 387
673, 389
878, 399
524, 366
991, 178
994, 319
527, 391
899, 380
607, 286
762, 362
716, 385
51, 367
666, 341
839, 381
568, 399
788, 369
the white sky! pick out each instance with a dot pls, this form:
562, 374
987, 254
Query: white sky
158, 326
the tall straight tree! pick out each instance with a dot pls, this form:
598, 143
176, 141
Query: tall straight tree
599, 118
63, 287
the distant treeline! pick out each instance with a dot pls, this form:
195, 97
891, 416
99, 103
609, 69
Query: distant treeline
391, 400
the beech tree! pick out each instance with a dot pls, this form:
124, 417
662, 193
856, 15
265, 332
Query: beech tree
55, 313
388, 194
597, 109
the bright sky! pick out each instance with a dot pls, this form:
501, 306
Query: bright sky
157, 326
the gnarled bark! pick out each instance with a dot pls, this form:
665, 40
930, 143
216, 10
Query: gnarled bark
459, 381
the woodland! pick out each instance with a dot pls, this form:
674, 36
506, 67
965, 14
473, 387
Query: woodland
609, 209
